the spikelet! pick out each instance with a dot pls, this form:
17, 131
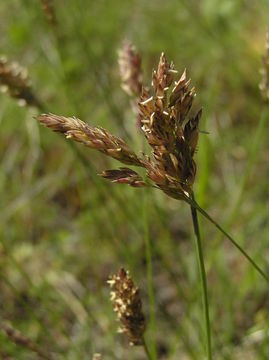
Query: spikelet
14, 80
93, 137
264, 84
170, 131
48, 9
127, 304
124, 176
130, 69
19, 339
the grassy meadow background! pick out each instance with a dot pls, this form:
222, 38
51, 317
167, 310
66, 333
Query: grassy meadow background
64, 230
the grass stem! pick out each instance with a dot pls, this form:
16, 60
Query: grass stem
200, 259
147, 352
153, 342
243, 252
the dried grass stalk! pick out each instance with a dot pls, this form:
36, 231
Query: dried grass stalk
127, 304
19, 339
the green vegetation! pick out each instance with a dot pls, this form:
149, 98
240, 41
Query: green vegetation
64, 229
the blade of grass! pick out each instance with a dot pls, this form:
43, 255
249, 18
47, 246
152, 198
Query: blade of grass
243, 252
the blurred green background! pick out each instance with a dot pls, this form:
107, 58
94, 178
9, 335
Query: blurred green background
64, 230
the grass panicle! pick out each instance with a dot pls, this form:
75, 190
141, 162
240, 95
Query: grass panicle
127, 303
171, 133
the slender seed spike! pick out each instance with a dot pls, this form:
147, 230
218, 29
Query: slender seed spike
93, 137
127, 303
130, 69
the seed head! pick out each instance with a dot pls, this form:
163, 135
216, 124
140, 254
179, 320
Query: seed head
170, 131
130, 69
124, 176
264, 84
14, 80
93, 137
127, 304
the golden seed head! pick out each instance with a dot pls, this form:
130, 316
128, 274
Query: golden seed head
127, 304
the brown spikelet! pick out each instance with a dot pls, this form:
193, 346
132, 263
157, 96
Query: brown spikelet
131, 75
14, 80
264, 84
48, 9
93, 137
171, 133
130, 69
127, 304
18, 338
124, 176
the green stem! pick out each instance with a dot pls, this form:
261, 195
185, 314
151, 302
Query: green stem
145, 346
208, 217
200, 258
150, 281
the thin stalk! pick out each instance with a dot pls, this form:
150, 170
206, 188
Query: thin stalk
208, 217
200, 259
147, 352
153, 342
